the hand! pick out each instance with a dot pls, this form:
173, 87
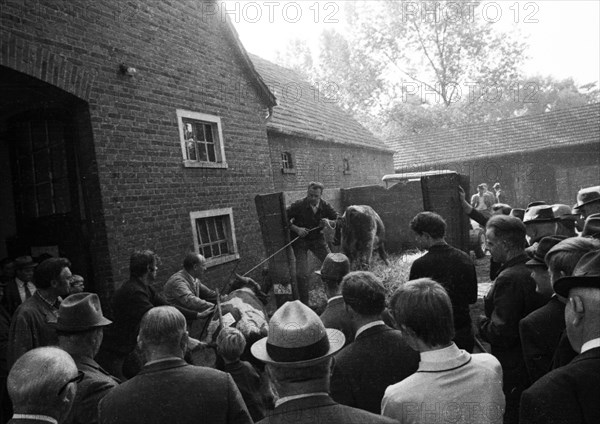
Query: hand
194, 344
301, 231
461, 193
326, 222
206, 313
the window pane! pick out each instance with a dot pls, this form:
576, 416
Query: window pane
58, 158
26, 171
44, 199
42, 166
62, 198
211, 152
208, 131
206, 252
190, 147
212, 229
199, 133
38, 135
55, 132
224, 248
202, 231
220, 227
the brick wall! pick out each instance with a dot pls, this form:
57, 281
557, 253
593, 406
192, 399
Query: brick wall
554, 175
185, 58
319, 161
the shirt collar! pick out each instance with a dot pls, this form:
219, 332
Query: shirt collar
284, 399
34, 417
590, 344
444, 359
331, 299
20, 282
169, 358
367, 326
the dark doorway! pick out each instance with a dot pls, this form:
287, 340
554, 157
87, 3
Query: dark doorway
43, 204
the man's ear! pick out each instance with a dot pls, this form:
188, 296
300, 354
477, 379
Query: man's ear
184, 341
578, 309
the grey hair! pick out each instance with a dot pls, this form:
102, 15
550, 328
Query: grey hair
162, 326
36, 378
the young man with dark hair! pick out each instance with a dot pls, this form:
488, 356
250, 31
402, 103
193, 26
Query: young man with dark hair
450, 267
379, 355
306, 219
512, 297
334, 269
448, 380
30, 324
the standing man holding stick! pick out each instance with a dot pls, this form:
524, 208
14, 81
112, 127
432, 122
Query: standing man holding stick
306, 218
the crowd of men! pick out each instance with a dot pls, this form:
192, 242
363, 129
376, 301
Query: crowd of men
369, 358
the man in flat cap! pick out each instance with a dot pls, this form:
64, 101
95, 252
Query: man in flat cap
80, 327
297, 353
570, 394
334, 268
379, 355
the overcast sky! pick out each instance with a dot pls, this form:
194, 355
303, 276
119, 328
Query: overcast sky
564, 36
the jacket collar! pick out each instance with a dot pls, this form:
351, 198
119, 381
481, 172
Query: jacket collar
302, 404
163, 365
371, 331
520, 259
445, 359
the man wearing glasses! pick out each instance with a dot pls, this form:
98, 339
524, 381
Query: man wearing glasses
47, 375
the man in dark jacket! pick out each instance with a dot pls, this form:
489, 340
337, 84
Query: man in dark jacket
379, 355
450, 267
167, 389
306, 219
570, 394
511, 297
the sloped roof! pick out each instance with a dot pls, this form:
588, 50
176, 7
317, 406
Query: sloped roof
303, 111
568, 127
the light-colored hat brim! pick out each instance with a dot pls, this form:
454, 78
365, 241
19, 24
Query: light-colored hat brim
336, 342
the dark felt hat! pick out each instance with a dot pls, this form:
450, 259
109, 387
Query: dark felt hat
297, 337
543, 247
585, 274
563, 212
25, 262
518, 213
536, 203
587, 195
80, 312
591, 228
541, 213
335, 266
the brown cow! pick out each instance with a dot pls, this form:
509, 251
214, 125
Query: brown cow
362, 231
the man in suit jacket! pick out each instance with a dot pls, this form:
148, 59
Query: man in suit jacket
167, 389
129, 304
185, 289
451, 385
49, 377
379, 355
20, 287
79, 327
570, 394
334, 268
297, 353
511, 298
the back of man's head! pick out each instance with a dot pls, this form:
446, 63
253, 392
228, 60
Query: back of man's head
162, 327
191, 259
424, 307
142, 262
562, 258
364, 292
430, 223
49, 270
509, 229
36, 382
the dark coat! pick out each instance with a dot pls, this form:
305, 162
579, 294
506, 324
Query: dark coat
540, 333
335, 316
321, 410
377, 358
12, 298
95, 385
174, 392
455, 271
248, 382
567, 395
302, 215
564, 352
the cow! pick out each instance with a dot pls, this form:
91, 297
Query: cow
362, 231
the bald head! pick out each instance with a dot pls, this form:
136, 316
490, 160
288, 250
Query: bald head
162, 329
37, 377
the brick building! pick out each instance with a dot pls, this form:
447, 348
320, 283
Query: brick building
539, 157
313, 139
129, 125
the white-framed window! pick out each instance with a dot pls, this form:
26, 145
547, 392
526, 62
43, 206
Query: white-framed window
214, 235
287, 163
201, 137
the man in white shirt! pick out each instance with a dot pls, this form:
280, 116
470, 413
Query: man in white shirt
451, 385
21, 287
570, 394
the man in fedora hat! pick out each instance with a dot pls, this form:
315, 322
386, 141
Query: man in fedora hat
80, 327
379, 355
566, 220
570, 394
30, 324
169, 390
297, 353
451, 267
334, 268
591, 228
21, 287
588, 201
540, 222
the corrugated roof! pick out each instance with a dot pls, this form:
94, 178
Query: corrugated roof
303, 111
568, 127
